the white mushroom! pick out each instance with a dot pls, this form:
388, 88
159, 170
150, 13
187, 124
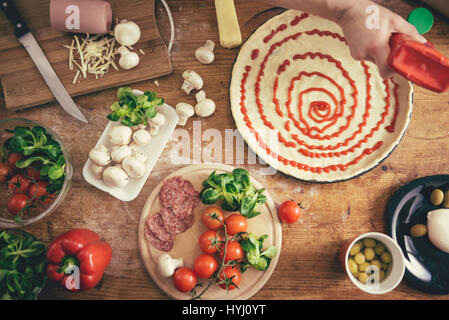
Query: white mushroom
115, 177
156, 123
140, 156
128, 59
141, 137
100, 155
166, 265
139, 126
205, 54
205, 106
185, 111
120, 135
192, 80
134, 167
120, 152
97, 171
127, 33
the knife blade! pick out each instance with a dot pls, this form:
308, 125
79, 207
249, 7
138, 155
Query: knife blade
40, 60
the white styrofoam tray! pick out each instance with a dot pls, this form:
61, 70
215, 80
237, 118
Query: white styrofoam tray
153, 150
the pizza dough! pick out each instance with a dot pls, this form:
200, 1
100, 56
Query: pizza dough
307, 108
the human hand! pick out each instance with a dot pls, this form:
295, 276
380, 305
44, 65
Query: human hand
371, 41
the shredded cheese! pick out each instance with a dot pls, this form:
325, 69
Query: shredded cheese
91, 55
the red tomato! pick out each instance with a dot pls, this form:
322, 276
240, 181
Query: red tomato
184, 279
17, 203
204, 266
234, 251
211, 223
33, 173
236, 223
19, 184
12, 159
207, 239
289, 212
5, 171
38, 192
231, 275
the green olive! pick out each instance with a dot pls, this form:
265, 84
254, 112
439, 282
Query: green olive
446, 199
355, 249
360, 244
359, 258
363, 266
418, 230
379, 248
363, 277
381, 275
369, 243
386, 257
369, 254
352, 265
436, 197
376, 263
385, 266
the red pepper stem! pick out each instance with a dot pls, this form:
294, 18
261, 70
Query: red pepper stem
66, 264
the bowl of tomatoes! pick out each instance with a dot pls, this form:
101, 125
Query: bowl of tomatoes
35, 172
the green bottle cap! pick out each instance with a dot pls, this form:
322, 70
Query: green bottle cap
422, 19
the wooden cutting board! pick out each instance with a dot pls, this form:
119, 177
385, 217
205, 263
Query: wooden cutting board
23, 86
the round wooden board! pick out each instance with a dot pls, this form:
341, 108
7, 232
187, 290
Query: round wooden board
186, 244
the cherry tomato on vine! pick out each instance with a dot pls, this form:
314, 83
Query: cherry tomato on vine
211, 223
38, 192
19, 184
231, 275
289, 212
234, 251
33, 173
5, 171
207, 239
17, 203
204, 266
184, 279
13, 158
236, 223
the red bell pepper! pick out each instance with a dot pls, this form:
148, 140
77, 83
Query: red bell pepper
419, 63
77, 259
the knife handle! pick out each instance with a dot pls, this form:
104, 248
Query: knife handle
10, 10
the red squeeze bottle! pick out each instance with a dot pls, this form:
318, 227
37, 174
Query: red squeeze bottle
419, 63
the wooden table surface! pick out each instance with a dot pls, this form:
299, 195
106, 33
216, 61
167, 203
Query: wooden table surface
307, 267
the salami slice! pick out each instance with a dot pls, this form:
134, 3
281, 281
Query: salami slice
178, 198
157, 227
158, 243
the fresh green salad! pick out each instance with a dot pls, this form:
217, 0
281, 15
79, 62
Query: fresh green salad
236, 191
132, 110
22, 265
255, 255
38, 150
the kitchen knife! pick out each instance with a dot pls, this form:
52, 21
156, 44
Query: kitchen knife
37, 55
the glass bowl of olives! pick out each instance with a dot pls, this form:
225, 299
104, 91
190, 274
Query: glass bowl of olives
374, 262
